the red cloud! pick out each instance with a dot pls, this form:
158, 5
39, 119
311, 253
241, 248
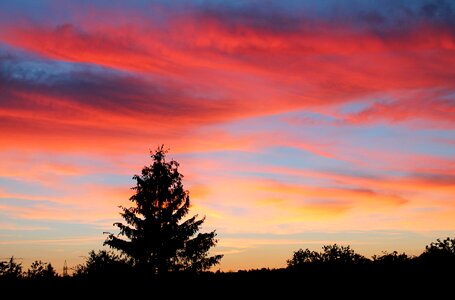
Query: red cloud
201, 68
319, 61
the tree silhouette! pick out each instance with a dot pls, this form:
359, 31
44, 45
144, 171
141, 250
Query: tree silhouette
439, 252
39, 269
10, 269
393, 258
302, 257
157, 239
103, 263
331, 255
336, 254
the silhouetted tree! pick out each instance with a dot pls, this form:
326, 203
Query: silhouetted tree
341, 255
393, 258
104, 263
302, 257
441, 251
157, 239
10, 269
39, 269
331, 254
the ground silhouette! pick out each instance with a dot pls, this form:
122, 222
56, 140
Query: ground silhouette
336, 270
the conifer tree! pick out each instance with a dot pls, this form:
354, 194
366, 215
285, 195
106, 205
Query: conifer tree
157, 239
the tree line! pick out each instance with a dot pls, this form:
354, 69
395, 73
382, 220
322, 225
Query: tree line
440, 253
156, 241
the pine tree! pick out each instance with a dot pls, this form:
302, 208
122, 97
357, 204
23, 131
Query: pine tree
157, 238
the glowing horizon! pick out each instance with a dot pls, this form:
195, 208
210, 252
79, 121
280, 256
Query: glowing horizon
296, 124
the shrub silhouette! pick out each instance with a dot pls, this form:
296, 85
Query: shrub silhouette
335, 254
10, 269
157, 239
331, 255
103, 264
439, 252
393, 258
304, 257
39, 269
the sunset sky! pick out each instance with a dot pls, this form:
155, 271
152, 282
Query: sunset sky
296, 123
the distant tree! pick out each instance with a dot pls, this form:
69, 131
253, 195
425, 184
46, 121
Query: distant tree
441, 251
393, 258
10, 269
341, 255
156, 237
302, 257
103, 263
331, 254
39, 269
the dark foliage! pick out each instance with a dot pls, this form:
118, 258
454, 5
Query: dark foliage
157, 239
40, 269
331, 255
335, 254
393, 258
439, 253
333, 271
103, 264
10, 269
303, 257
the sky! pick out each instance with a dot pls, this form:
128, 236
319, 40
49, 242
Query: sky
296, 123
